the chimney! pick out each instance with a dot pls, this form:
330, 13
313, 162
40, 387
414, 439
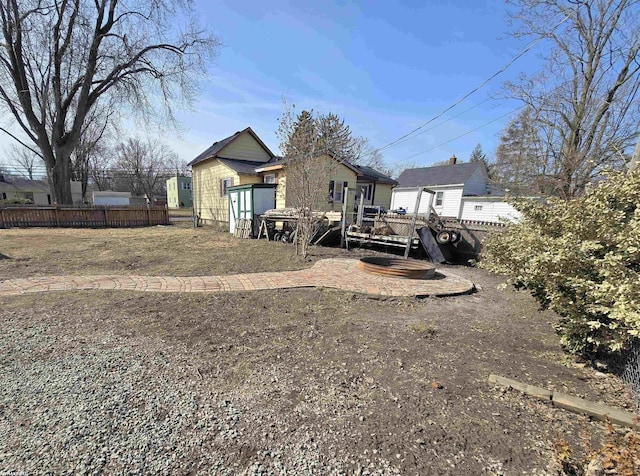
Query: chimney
453, 159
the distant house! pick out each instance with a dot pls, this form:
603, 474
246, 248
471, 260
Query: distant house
461, 190
37, 192
179, 192
243, 159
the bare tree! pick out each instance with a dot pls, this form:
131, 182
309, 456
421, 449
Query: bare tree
312, 145
100, 175
177, 166
60, 58
141, 166
584, 104
25, 160
93, 144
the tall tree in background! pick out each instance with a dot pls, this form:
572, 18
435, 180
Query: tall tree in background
93, 143
141, 166
478, 155
584, 105
312, 145
523, 162
62, 58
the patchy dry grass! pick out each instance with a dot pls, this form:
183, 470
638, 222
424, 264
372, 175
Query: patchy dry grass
161, 250
399, 384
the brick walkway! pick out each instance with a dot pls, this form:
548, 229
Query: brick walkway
341, 274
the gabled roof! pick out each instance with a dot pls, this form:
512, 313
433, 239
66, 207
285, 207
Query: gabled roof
439, 175
19, 184
215, 148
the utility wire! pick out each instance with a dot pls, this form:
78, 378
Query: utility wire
521, 53
435, 126
462, 135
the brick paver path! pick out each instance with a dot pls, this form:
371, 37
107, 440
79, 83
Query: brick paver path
341, 274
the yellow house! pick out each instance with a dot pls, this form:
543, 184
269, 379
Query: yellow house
243, 159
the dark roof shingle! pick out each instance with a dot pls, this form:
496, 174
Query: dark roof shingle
213, 149
369, 173
439, 175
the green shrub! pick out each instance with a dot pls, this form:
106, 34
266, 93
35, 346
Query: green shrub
16, 201
580, 258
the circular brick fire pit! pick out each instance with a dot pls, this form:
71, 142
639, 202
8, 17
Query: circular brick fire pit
397, 267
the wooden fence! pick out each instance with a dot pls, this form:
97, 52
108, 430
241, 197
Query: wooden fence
82, 217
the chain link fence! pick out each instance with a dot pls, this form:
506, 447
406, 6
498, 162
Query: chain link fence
626, 365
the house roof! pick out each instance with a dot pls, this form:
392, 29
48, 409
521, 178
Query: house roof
373, 175
215, 148
252, 167
439, 175
242, 166
19, 184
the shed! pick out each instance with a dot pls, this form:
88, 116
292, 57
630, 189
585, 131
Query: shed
111, 198
249, 201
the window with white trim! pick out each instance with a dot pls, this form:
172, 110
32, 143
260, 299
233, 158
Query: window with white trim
269, 178
186, 185
337, 192
439, 198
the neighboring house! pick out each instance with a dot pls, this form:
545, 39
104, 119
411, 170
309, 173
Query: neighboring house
490, 209
459, 191
37, 192
243, 159
179, 192
111, 198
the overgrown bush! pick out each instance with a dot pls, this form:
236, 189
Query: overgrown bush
580, 258
16, 201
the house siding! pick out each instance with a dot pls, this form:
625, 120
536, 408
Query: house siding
492, 211
382, 197
341, 174
281, 191
176, 196
407, 199
206, 185
451, 203
245, 147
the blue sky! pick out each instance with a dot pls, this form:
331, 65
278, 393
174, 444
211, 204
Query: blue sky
385, 67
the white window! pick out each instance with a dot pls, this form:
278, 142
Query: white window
224, 186
439, 198
478, 207
186, 185
269, 178
337, 192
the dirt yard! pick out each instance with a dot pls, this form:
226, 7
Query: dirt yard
295, 382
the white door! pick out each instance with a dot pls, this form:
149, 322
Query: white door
233, 210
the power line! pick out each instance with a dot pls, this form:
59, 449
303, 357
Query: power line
444, 122
462, 135
521, 53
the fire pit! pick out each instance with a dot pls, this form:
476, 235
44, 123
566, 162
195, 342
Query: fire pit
397, 267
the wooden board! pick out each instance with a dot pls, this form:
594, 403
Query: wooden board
430, 245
